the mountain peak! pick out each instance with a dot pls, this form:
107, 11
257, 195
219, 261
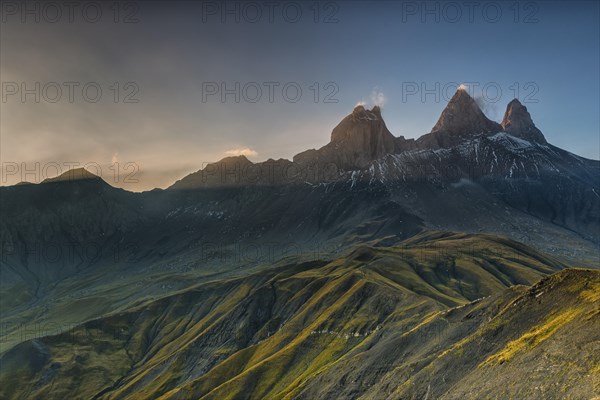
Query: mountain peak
376, 110
75, 174
462, 116
360, 113
359, 139
228, 171
517, 122
515, 102
235, 159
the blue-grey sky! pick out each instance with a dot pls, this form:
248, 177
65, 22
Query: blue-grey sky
168, 56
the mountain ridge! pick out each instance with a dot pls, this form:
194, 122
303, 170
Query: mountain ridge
73, 175
359, 140
362, 139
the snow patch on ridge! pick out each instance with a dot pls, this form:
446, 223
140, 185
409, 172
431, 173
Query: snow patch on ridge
511, 142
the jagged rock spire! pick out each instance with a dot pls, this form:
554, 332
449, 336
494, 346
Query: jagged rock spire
517, 122
462, 116
356, 141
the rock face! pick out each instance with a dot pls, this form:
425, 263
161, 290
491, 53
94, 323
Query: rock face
518, 122
461, 118
363, 134
356, 141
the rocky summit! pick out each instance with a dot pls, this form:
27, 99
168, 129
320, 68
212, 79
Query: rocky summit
462, 116
518, 122
359, 139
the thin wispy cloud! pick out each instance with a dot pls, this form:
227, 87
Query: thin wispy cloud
245, 151
378, 98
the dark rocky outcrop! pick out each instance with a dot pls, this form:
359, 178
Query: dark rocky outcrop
463, 116
518, 122
356, 141
461, 119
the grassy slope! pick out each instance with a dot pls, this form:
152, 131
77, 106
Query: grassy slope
549, 334
284, 333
